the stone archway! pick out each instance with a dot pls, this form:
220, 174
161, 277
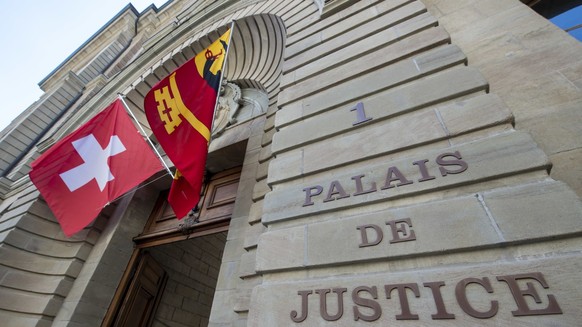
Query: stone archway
254, 61
252, 77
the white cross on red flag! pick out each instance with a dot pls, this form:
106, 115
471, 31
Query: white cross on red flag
94, 165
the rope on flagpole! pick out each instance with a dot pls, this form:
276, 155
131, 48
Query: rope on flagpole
133, 189
143, 133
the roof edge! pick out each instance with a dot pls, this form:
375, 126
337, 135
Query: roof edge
128, 7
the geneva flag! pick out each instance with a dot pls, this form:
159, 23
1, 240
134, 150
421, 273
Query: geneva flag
180, 109
93, 166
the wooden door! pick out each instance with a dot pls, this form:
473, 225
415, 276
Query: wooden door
213, 216
143, 294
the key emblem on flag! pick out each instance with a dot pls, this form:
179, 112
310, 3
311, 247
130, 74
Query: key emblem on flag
170, 108
167, 109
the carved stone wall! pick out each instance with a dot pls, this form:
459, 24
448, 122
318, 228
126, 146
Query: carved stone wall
406, 188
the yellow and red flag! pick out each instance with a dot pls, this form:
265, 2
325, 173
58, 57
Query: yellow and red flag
180, 109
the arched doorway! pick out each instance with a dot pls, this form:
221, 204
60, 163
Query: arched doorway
253, 75
174, 269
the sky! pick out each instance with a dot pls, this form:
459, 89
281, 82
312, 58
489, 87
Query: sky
38, 35
570, 19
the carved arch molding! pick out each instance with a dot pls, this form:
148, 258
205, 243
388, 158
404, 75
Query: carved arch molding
254, 64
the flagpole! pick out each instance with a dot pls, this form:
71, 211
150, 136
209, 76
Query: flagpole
143, 133
221, 77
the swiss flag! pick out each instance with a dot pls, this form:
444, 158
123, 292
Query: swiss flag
94, 165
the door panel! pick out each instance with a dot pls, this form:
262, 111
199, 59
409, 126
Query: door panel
143, 294
216, 206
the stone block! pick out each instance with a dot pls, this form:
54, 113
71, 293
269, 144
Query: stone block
228, 276
33, 262
254, 142
271, 110
222, 308
476, 112
238, 227
256, 212
333, 39
8, 225
486, 294
230, 136
233, 250
417, 230
314, 128
269, 123
28, 302
243, 301
186, 291
260, 189
433, 89
244, 193
164, 311
211, 259
536, 210
573, 73
33, 282
566, 167
281, 249
26, 320
391, 135
267, 137
548, 209
494, 157
30, 194
17, 211
291, 113
286, 166
4, 235
252, 235
378, 50
184, 317
400, 132
544, 94
262, 171
299, 32
265, 154
28, 242
247, 264
297, 10
557, 130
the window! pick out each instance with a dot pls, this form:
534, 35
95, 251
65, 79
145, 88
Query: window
571, 22
566, 14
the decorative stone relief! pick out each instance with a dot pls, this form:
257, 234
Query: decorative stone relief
254, 102
227, 108
236, 105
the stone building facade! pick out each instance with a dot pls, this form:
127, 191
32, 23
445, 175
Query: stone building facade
373, 163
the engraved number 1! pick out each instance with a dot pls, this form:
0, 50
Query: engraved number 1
360, 114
